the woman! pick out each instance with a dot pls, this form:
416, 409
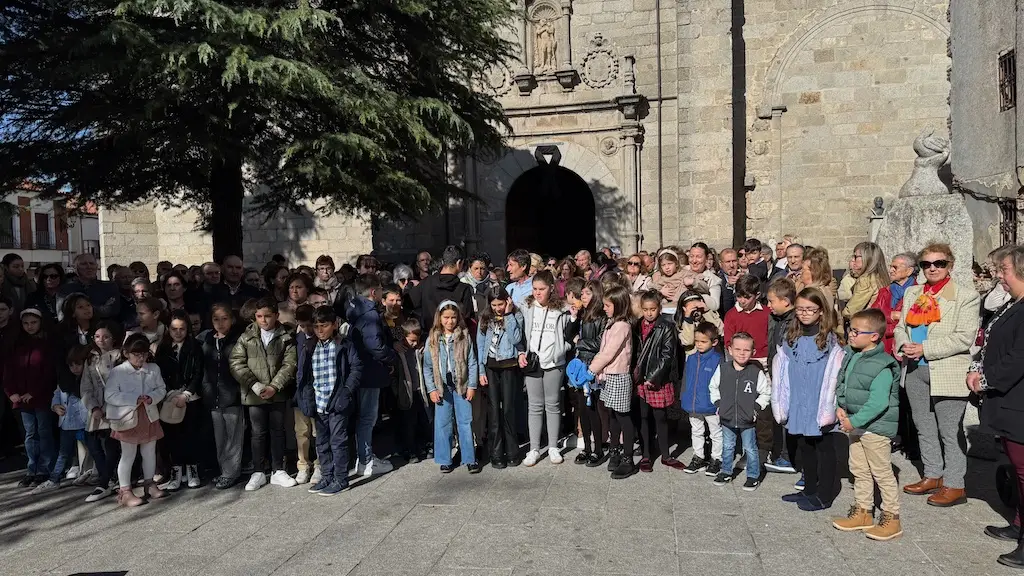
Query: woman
299, 287
18, 285
890, 298
817, 273
638, 281
402, 275
544, 320
997, 377
479, 280
174, 291
276, 278
326, 279
869, 268
933, 341
44, 298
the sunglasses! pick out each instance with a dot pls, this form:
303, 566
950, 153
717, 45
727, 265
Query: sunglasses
940, 264
633, 263
51, 275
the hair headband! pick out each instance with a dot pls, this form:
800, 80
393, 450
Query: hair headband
442, 305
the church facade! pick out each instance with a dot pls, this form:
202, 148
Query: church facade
644, 123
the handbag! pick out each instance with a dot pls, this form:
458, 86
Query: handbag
126, 422
170, 413
533, 368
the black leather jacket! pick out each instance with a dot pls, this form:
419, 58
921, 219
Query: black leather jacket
590, 334
656, 359
220, 389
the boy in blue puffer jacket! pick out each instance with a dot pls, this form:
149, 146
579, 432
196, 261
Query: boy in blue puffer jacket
696, 399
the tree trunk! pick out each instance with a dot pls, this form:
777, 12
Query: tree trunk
226, 193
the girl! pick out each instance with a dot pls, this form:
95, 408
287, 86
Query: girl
668, 280
221, 394
611, 367
77, 324
149, 311
805, 371
655, 370
135, 386
871, 270
44, 299
71, 416
180, 359
106, 451
544, 320
499, 339
30, 377
586, 328
451, 374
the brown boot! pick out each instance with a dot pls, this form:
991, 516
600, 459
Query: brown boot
925, 486
127, 498
946, 497
856, 519
153, 491
888, 527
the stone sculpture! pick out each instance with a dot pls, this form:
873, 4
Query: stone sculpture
932, 154
547, 47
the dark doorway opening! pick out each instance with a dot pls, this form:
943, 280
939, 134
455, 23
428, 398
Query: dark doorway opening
550, 211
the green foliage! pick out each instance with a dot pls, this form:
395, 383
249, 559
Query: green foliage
354, 102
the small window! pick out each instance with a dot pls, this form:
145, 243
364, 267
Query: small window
1007, 81
1008, 222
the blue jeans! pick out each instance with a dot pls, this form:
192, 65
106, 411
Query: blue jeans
39, 441
749, 438
368, 398
66, 453
453, 407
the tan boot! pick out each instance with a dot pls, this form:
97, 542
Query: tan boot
947, 497
888, 527
856, 519
925, 486
153, 491
127, 498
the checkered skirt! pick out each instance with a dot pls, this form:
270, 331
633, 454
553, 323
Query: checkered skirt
617, 393
660, 398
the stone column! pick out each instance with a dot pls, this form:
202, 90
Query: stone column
565, 46
631, 137
525, 60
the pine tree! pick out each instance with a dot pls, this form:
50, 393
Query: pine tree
199, 102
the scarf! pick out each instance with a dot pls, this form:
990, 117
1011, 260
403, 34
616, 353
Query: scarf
925, 309
645, 329
897, 291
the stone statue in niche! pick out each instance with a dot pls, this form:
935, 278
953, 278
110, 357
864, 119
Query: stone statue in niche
932, 154
547, 47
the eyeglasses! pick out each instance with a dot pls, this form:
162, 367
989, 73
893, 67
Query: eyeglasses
633, 263
810, 310
854, 332
940, 264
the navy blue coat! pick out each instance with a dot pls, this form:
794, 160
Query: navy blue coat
373, 342
349, 370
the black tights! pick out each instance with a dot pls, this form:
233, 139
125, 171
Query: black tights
661, 427
818, 458
621, 422
590, 420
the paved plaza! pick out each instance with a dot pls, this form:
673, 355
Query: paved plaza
558, 520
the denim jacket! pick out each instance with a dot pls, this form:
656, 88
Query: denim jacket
74, 417
447, 363
510, 342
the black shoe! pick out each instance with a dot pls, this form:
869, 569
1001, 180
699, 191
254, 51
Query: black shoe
713, 469
582, 457
751, 484
596, 459
624, 469
498, 464
515, 462
475, 468
447, 468
26, 482
722, 479
696, 465
225, 483
1009, 533
614, 458
37, 480
1014, 559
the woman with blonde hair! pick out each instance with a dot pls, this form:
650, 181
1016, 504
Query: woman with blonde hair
817, 273
871, 272
638, 280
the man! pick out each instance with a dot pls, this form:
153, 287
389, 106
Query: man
123, 280
425, 298
787, 241
648, 260
367, 264
163, 267
793, 264
780, 251
233, 289
211, 274
140, 270
422, 266
585, 261
712, 292
729, 274
375, 347
103, 295
521, 284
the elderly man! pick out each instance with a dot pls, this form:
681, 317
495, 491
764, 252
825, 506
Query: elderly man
211, 274
730, 273
103, 295
233, 289
792, 264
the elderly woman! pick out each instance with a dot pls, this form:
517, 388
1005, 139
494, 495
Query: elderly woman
402, 276
933, 340
997, 374
890, 298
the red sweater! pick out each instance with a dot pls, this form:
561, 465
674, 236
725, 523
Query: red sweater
754, 323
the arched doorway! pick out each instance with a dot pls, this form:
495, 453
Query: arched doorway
550, 211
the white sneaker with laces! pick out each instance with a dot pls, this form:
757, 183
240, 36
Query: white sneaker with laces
175, 482
256, 481
555, 455
192, 476
302, 477
72, 473
45, 487
282, 479
377, 466
317, 475
531, 458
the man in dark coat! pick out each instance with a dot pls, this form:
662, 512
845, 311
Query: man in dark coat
424, 299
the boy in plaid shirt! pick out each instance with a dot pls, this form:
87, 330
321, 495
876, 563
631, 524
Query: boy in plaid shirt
326, 385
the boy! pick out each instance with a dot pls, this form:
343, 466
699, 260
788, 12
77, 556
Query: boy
698, 371
749, 316
318, 297
690, 312
740, 390
416, 418
305, 426
264, 363
771, 436
325, 391
868, 410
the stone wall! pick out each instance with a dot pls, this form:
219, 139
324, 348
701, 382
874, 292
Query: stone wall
128, 235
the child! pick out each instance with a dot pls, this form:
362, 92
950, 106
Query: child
778, 447
304, 425
181, 364
106, 451
611, 367
692, 311
149, 311
132, 393
740, 389
805, 372
417, 411
749, 316
868, 410
668, 280
30, 376
71, 416
325, 391
698, 370
222, 395
264, 363
654, 371
587, 323
499, 341
451, 374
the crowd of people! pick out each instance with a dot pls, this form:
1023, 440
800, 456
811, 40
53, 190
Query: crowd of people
766, 353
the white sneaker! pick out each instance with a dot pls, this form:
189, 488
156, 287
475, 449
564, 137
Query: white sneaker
192, 476
531, 458
302, 477
256, 481
84, 477
175, 482
72, 473
555, 456
282, 479
98, 493
377, 466
48, 486
317, 475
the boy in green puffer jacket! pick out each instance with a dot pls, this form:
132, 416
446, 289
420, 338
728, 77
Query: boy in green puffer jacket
867, 395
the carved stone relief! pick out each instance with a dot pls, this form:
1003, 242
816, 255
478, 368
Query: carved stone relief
600, 66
